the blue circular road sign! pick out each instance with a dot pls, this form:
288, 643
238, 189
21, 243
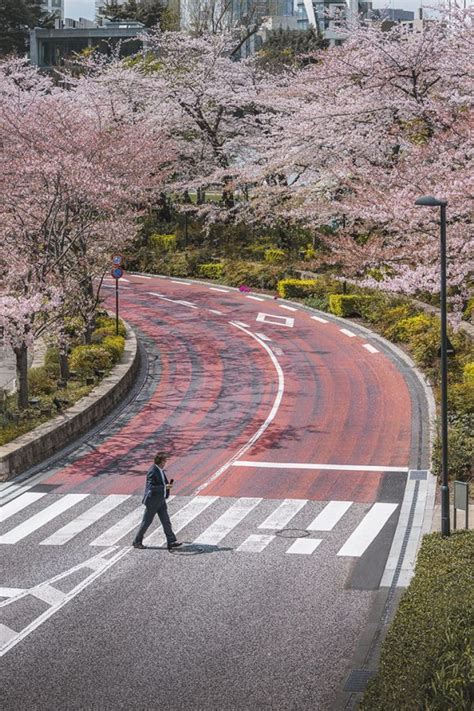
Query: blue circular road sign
117, 259
117, 272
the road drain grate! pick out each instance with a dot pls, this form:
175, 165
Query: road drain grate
358, 679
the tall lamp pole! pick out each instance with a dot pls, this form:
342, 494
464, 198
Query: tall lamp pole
430, 201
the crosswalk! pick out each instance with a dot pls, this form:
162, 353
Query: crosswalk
246, 525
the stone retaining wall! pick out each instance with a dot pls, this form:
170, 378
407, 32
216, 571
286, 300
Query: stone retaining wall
39, 444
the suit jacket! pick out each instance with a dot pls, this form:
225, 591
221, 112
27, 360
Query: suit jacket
155, 487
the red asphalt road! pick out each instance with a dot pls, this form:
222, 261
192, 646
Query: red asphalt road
341, 405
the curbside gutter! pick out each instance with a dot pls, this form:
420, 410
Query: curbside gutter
31, 448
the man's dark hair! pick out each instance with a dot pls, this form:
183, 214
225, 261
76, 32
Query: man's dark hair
160, 458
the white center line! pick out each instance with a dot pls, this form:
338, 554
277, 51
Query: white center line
329, 467
262, 336
288, 308
215, 311
318, 318
367, 530
217, 288
187, 303
241, 323
283, 514
255, 298
18, 504
370, 348
225, 523
41, 518
346, 332
304, 546
329, 516
86, 519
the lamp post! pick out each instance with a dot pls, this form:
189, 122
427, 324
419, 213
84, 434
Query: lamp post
430, 201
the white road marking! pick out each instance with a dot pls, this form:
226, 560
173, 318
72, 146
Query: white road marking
329, 467
370, 348
18, 504
183, 517
304, 546
276, 320
215, 311
48, 594
86, 519
161, 296
329, 516
367, 530
318, 318
187, 303
120, 529
288, 308
217, 288
346, 332
255, 298
269, 419
262, 336
241, 323
256, 543
40, 519
140, 276
283, 514
10, 592
225, 523
277, 351
175, 281
6, 635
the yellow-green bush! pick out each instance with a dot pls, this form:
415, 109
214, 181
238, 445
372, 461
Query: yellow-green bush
115, 345
297, 288
105, 326
409, 328
86, 359
275, 256
346, 304
40, 381
468, 313
426, 658
261, 276
468, 374
163, 243
211, 271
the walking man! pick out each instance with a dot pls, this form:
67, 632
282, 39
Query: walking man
156, 492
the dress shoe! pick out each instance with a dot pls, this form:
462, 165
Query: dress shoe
138, 545
175, 544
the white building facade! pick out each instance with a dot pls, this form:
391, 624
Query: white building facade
55, 7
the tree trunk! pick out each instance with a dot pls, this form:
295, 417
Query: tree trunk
22, 375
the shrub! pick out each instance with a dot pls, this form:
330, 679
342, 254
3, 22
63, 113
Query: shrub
163, 243
115, 346
41, 381
390, 318
74, 326
212, 271
461, 398
105, 326
409, 328
51, 362
426, 656
86, 359
296, 288
468, 313
318, 302
275, 256
262, 276
460, 448
346, 304
468, 374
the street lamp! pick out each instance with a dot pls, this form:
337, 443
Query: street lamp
430, 201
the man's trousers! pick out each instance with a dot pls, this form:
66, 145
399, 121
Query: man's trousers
155, 505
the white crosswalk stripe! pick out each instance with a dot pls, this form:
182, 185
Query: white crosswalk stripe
210, 519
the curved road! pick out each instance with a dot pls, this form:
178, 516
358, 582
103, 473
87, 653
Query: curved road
290, 437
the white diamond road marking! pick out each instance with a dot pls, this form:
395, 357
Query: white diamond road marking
256, 543
318, 318
225, 523
86, 519
329, 516
370, 348
304, 546
183, 517
367, 530
283, 514
18, 504
346, 332
276, 320
41, 518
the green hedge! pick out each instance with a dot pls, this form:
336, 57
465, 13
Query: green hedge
85, 359
211, 271
275, 256
426, 659
105, 326
115, 346
163, 243
297, 288
346, 304
261, 276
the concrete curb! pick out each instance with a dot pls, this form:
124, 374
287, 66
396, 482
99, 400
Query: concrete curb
32, 447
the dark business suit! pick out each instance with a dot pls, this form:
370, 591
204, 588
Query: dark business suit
154, 499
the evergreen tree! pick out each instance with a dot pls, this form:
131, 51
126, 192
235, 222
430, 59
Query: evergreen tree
148, 12
291, 47
17, 17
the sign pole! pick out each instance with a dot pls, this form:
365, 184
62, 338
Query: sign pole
117, 273
116, 307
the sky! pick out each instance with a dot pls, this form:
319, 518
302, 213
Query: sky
86, 8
